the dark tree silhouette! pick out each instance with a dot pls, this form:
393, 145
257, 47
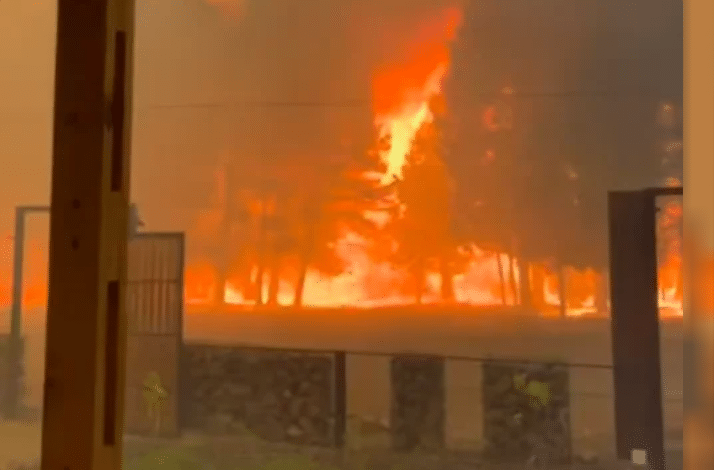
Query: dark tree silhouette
425, 229
336, 202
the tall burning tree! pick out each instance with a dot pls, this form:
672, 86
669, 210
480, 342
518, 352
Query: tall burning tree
408, 102
425, 192
345, 200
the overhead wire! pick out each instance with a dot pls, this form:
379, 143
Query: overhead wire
366, 102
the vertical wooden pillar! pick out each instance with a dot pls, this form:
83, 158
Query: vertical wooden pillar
635, 326
86, 322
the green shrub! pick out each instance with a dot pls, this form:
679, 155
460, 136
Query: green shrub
538, 392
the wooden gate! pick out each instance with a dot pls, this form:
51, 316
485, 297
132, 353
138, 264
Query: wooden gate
155, 333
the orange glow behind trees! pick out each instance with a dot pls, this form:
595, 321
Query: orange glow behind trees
375, 227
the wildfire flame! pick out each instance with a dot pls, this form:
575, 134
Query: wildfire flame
402, 92
406, 94
34, 289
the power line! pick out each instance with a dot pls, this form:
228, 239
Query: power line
347, 104
265, 104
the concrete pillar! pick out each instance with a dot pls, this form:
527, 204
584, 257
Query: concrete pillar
592, 413
369, 393
464, 405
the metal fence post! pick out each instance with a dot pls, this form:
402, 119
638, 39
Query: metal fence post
12, 390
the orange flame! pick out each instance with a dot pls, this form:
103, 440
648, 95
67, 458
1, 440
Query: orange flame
34, 289
405, 95
402, 91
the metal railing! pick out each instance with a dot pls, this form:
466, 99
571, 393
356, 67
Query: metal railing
370, 389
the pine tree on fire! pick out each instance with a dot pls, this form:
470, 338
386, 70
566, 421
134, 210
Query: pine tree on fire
338, 203
317, 230
424, 228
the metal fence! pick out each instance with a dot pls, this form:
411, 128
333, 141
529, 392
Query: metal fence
155, 329
498, 407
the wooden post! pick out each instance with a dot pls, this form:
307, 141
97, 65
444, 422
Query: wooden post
86, 321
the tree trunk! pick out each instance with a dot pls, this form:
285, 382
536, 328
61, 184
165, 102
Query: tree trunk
525, 296
247, 279
563, 291
512, 279
262, 242
420, 280
300, 286
259, 283
306, 258
502, 277
274, 286
307, 255
220, 294
224, 252
221, 270
601, 293
447, 279
538, 298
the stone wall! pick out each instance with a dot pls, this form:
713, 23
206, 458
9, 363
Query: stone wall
459, 332
527, 412
280, 396
290, 397
418, 403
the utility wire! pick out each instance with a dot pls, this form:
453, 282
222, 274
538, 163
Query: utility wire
367, 103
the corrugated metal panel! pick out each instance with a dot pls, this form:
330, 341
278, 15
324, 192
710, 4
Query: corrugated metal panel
155, 283
155, 309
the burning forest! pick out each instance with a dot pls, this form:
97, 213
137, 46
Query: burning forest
386, 220
451, 184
